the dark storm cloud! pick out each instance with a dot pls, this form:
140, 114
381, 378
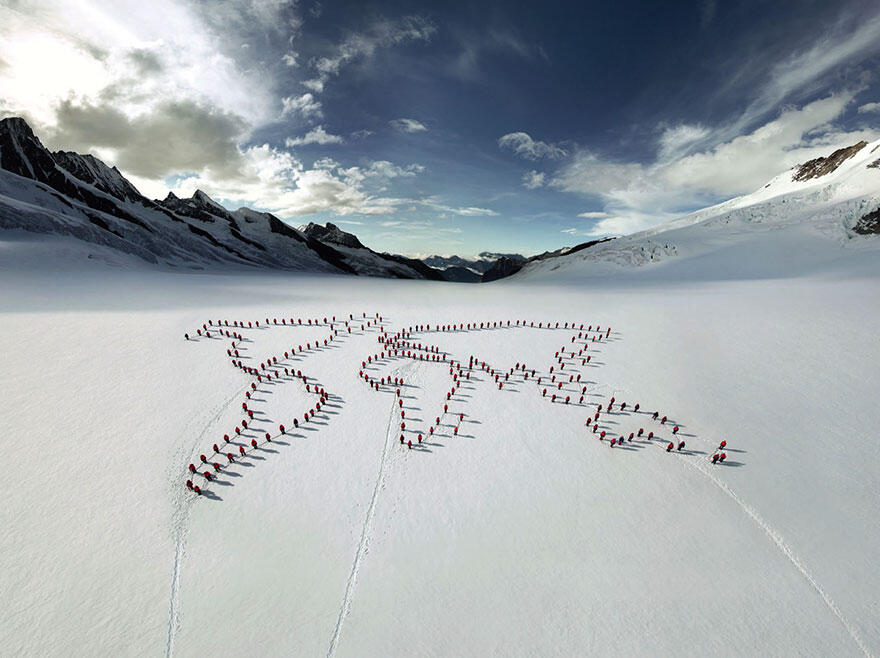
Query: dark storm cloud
170, 137
147, 62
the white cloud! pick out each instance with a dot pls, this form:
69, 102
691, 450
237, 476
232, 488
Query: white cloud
804, 71
306, 106
469, 211
363, 45
276, 181
522, 144
637, 196
472, 211
316, 85
407, 125
748, 161
570, 231
869, 107
291, 59
675, 140
315, 136
596, 214
477, 44
95, 52
533, 179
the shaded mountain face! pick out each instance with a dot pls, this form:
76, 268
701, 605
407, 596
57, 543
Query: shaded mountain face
332, 234
461, 275
503, 267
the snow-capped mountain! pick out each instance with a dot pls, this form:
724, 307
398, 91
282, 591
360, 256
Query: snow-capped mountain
68, 194
481, 264
366, 261
808, 217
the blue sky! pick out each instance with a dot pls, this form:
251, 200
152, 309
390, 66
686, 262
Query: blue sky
451, 127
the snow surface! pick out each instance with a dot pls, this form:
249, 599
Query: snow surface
784, 229
523, 535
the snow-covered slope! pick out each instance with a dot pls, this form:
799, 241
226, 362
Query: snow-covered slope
805, 218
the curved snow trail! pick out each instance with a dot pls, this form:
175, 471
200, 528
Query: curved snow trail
363, 545
788, 551
180, 517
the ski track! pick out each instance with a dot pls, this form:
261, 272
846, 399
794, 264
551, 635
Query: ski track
363, 545
787, 551
181, 516
780, 543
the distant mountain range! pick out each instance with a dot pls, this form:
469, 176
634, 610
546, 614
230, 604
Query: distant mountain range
65, 193
68, 194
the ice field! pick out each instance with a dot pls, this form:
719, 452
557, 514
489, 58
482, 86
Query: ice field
524, 534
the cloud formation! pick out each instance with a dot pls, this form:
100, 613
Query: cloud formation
523, 145
532, 180
306, 106
407, 125
381, 33
638, 195
315, 136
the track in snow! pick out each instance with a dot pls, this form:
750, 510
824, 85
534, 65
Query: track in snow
364, 543
789, 553
181, 515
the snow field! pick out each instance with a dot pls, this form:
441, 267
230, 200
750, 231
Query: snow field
524, 534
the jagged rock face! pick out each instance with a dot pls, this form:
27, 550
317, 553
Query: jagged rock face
91, 170
332, 234
502, 268
23, 154
875, 164
869, 224
199, 206
821, 166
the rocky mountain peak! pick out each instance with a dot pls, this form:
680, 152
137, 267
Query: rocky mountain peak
822, 166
